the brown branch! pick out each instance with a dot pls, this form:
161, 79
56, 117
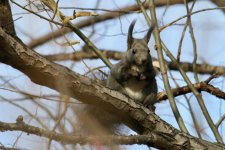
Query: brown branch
87, 54
219, 4
202, 68
77, 139
107, 16
8, 148
6, 20
61, 79
84, 54
201, 86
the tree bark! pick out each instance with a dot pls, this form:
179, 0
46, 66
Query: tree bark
63, 80
6, 20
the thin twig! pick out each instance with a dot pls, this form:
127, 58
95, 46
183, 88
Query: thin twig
163, 69
197, 95
220, 121
196, 126
182, 17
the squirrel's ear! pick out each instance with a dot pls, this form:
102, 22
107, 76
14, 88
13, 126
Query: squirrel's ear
130, 38
148, 35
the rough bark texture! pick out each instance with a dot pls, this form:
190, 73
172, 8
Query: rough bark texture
6, 20
46, 73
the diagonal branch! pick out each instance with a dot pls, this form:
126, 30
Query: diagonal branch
6, 20
104, 17
219, 4
57, 77
107, 16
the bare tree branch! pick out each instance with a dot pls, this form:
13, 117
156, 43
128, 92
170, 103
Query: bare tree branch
46, 73
77, 139
8, 148
201, 86
6, 21
107, 16
219, 4
155, 138
110, 54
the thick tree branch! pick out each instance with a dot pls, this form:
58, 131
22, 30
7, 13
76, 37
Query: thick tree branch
110, 54
46, 73
219, 4
6, 21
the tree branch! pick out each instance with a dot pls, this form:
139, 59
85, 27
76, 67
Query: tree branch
107, 16
46, 73
219, 4
110, 54
6, 21
201, 86
77, 139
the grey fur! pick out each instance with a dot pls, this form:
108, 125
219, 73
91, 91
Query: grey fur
134, 75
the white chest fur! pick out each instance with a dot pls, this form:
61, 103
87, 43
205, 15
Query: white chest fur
134, 88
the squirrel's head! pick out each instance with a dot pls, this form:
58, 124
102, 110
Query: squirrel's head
138, 51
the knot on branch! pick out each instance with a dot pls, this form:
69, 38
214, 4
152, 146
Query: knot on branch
19, 120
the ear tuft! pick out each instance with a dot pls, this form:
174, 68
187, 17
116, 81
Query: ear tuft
130, 38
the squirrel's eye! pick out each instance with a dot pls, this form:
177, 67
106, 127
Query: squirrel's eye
148, 51
133, 51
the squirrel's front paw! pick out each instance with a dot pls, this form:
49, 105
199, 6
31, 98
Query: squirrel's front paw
142, 77
133, 73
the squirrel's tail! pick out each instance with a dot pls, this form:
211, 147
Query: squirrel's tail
94, 120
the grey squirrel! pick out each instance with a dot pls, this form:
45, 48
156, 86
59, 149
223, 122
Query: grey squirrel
134, 75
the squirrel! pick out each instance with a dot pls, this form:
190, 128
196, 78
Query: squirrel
134, 75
